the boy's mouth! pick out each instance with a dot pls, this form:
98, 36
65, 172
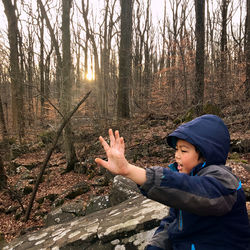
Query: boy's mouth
179, 167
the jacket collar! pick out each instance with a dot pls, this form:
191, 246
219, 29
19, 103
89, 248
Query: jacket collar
194, 171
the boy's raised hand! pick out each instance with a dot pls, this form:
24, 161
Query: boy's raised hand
117, 163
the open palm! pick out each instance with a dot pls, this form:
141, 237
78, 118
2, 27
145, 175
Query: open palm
117, 163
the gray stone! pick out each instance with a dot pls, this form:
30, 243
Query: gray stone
122, 190
57, 216
97, 204
64, 213
77, 190
74, 207
128, 225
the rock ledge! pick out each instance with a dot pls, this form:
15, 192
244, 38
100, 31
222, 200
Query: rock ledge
129, 224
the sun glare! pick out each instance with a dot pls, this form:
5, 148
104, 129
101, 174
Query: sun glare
90, 76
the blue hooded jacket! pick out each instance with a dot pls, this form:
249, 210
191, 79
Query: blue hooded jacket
208, 207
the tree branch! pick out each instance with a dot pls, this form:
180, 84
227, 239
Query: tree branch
49, 153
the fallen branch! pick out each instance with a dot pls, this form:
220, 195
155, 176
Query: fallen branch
58, 133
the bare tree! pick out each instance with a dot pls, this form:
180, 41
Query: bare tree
15, 71
106, 35
41, 66
125, 60
223, 44
173, 30
139, 40
142, 53
199, 61
210, 44
163, 35
90, 36
64, 68
56, 46
66, 83
247, 82
182, 45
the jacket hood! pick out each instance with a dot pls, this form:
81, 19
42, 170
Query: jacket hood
209, 134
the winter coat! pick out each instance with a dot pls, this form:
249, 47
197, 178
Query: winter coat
208, 207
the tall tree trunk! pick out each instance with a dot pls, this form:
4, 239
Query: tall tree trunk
41, 66
163, 35
78, 60
66, 83
30, 75
199, 61
211, 43
86, 56
137, 58
125, 60
147, 73
105, 65
247, 82
173, 37
15, 73
223, 64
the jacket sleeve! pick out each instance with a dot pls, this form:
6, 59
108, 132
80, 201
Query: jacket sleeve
201, 195
160, 239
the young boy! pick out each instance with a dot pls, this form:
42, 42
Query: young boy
208, 206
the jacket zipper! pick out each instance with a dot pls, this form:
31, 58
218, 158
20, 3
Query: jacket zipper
180, 220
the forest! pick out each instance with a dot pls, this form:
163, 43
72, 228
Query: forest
70, 67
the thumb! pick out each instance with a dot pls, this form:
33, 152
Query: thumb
102, 162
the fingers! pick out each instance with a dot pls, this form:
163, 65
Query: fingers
122, 143
102, 162
104, 143
111, 137
115, 141
117, 138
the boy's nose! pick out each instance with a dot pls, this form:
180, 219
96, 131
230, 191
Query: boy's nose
177, 155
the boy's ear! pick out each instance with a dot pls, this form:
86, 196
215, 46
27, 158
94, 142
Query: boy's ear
200, 157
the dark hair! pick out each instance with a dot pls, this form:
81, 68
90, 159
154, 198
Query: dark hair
199, 152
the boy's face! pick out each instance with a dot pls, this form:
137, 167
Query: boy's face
186, 156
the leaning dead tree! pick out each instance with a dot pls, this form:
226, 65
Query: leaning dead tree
49, 153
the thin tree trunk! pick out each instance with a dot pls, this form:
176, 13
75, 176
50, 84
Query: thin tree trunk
199, 62
247, 82
41, 65
223, 64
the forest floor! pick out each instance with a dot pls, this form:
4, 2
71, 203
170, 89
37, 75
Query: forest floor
137, 132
